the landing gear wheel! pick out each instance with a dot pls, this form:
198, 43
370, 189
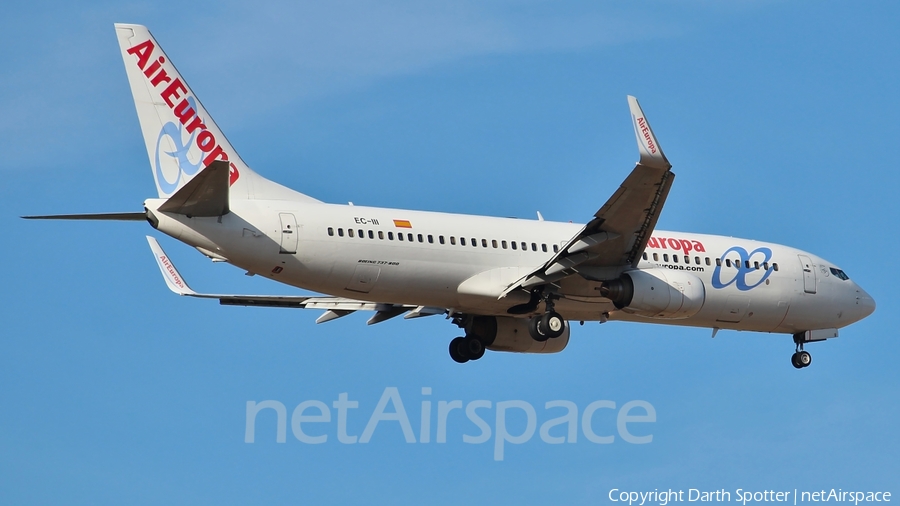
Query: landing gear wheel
474, 348
801, 359
463, 349
537, 330
456, 347
553, 324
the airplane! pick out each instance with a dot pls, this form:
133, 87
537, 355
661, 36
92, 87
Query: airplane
510, 284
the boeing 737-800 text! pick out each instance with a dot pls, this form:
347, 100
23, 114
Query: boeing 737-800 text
510, 284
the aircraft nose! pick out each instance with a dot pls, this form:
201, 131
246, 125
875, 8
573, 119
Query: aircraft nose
865, 304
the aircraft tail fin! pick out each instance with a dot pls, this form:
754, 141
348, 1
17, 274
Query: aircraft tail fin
180, 135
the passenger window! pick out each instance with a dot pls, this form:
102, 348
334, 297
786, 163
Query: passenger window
494, 242
462, 241
747, 264
409, 237
697, 260
474, 242
340, 232
533, 246
399, 236
645, 255
381, 235
430, 239
524, 246
675, 258
719, 262
665, 257
766, 265
555, 248
513, 244
727, 262
503, 243
484, 243
656, 257
390, 236
350, 232
707, 261
687, 259
441, 239
756, 265
330, 231
544, 248
453, 240
421, 239
371, 234
362, 234
775, 266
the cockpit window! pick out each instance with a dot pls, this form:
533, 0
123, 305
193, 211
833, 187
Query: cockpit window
840, 274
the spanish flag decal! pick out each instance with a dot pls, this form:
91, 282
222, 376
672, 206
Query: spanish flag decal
402, 224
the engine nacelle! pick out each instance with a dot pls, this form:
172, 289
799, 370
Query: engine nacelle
503, 333
657, 293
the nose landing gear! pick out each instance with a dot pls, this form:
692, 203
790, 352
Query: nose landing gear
801, 358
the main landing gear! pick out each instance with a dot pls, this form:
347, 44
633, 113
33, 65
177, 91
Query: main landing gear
480, 333
463, 349
801, 358
546, 326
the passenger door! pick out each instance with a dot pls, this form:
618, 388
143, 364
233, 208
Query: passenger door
809, 274
289, 233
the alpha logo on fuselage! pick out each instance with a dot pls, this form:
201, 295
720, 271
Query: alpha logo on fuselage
746, 266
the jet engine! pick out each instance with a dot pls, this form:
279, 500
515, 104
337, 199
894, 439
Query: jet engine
503, 333
657, 293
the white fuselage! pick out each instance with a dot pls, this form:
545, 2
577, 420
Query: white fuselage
464, 263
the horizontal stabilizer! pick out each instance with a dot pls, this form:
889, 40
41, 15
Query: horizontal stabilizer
203, 196
96, 217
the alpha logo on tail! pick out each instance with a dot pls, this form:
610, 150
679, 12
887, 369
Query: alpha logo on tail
189, 136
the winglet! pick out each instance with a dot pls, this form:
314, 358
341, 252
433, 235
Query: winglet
173, 279
651, 152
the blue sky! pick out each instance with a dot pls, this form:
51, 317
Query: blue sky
779, 118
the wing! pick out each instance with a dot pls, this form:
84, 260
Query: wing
615, 238
335, 307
